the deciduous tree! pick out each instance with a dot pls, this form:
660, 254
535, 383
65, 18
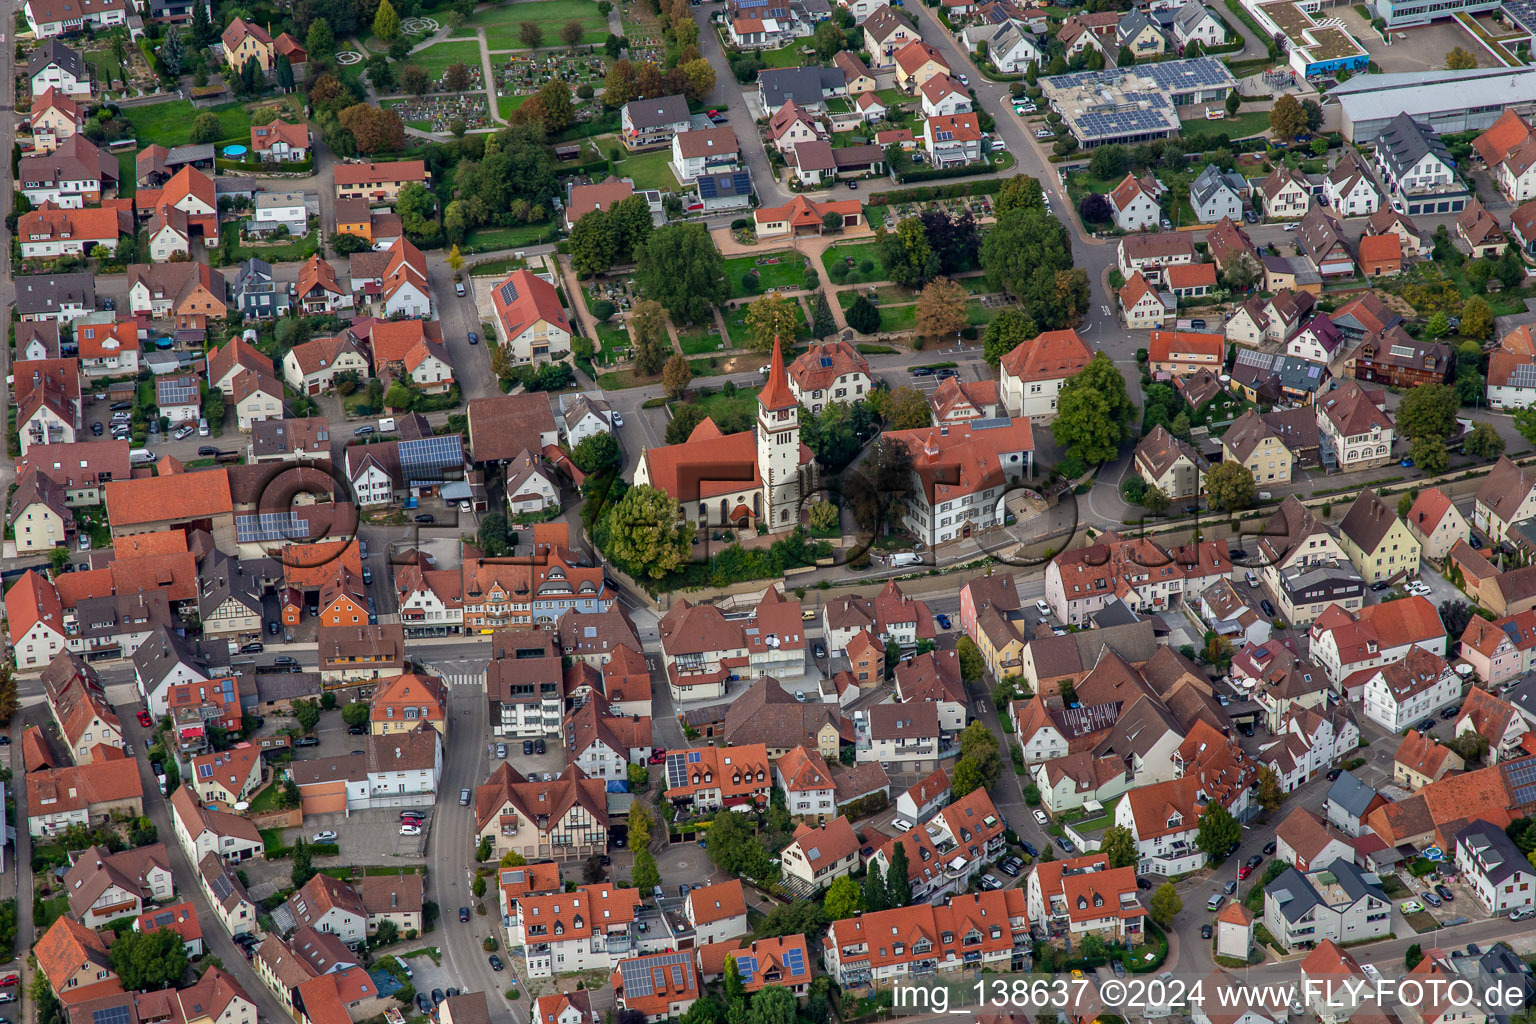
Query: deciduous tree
676, 375
571, 33
456, 77
1093, 412
647, 533
1485, 443
1230, 487
1165, 905
413, 79
1218, 832
905, 408
1006, 332
531, 34
769, 317
941, 308
972, 664
1460, 60
149, 960
1428, 410
843, 899
1286, 118
680, 267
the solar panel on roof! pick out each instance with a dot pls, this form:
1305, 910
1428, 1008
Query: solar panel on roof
677, 976
794, 960
508, 292
264, 527
110, 1015
426, 460
694, 757
746, 966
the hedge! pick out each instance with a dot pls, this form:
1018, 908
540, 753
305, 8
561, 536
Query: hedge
264, 167
923, 193
317, 849
931, 173
590, 167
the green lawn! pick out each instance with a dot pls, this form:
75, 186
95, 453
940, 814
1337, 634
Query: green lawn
506, 105
786, 56
858, 252
699, 341
892, 97
436, 58
296, 251
900, 318
127, 174
502, 24
649, 170
785, 269
612, 338
1244, 125
488, 239
170, 123
266, 800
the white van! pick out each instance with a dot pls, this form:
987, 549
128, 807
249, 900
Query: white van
386, 425
141, 457
905, 558
202, 427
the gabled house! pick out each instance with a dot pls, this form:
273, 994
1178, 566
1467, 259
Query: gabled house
1285, 194
1420, 759
1436, 523
1417, 169
1134, 203
1480, 230
1142, 306
1506, 496
1378, 543
1321, 239
318, 290
1499, 875
1171, 465
1404, 691
1512, 371
1032, 374
1349, 188
1497, 721
1216, 194
1356, 432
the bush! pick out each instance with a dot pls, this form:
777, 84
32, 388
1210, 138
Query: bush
602, 309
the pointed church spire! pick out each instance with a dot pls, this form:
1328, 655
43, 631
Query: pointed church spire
776, 393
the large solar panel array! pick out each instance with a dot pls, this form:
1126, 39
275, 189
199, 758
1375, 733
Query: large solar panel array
712, 186
1173, 76
426, 460
638, 980
111, 1015
1128, 120
265, 527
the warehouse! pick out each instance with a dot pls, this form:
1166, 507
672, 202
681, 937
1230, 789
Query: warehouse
1447, 101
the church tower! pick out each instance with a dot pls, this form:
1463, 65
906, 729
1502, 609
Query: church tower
778, 447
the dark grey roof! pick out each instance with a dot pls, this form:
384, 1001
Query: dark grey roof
1133, 24
1404, 142
1190, 15
1115, 613
806, 86
657, 112
1213, 180
1292, 893
275, 686
222, 578
54, 52
161, 653
48, 293
1500, 857
1523, 696
1352, 795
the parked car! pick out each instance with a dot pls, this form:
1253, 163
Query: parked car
426, 517
1269, 848
323, 837
145, 720
527, 748
1205, 931
495, 962
942, 620
990, 882
1040, 818
1243, 872
1255, 860
357, 730
254, 647
183, 432
501, 751
1445, 893
1229, 888
438, 995
410, 830
1430, 898
658, 757
423, 1003
464, 796
538, 746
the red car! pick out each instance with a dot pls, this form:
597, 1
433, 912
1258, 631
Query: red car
1243, 872
145, 720
659, 755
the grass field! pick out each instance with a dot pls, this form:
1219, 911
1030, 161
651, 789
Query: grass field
507, 104
489, 239
649, 170
127, 174
170, 123
697, 341
612, 338
786, 271
501, 24
786, 56
296, 251
436, 58
901, 314
858, 252
1254, 122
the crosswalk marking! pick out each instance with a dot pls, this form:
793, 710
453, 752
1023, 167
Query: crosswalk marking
465, 679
